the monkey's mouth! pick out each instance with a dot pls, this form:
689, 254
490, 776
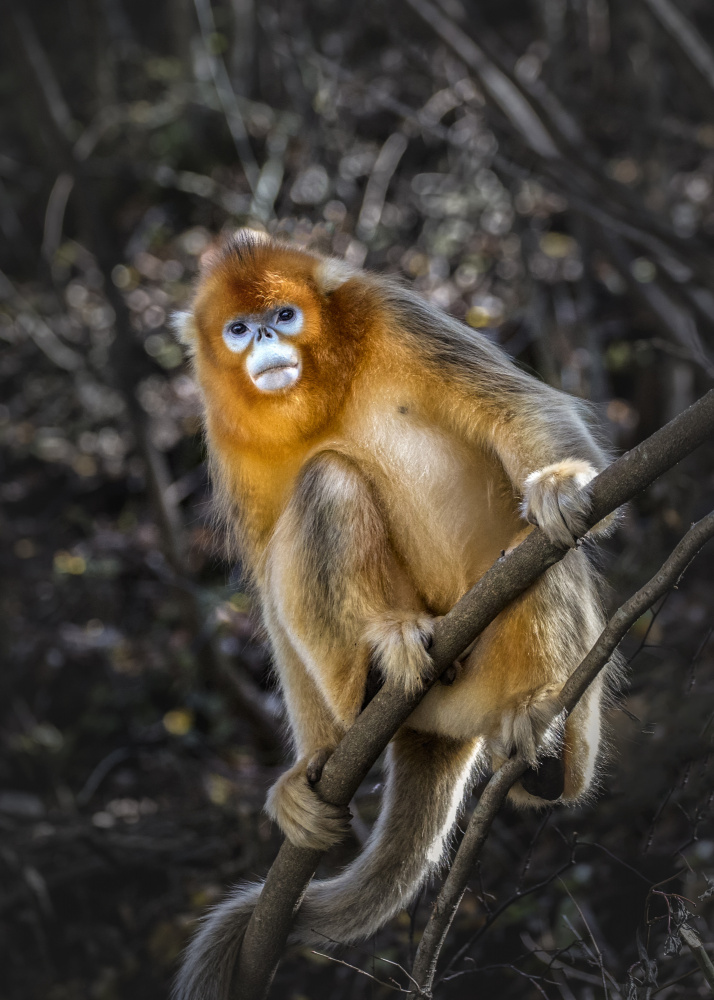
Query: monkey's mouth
278, 375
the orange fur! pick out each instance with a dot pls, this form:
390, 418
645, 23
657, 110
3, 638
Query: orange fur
366, 498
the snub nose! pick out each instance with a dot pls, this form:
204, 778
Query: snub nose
263, 331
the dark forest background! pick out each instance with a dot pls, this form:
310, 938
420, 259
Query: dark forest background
543, 170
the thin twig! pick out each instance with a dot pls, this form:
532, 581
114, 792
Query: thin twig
44, 74
30, 321
598, 959
224, 89
501, 89
355, 968
691, 938
126, 357
375, 192
686, 36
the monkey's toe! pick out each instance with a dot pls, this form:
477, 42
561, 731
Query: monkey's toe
547, 781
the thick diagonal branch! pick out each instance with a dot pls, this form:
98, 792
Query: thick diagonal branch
293, 868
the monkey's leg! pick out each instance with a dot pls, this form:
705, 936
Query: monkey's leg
565, 620
299, 812
511, 680
568, 775
329, 585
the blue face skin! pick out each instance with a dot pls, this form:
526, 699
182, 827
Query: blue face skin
271, 361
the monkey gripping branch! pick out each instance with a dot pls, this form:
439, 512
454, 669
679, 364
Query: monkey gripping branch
292, 870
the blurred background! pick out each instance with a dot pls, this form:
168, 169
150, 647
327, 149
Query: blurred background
543, 169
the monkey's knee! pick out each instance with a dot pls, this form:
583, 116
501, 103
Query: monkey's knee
305, 819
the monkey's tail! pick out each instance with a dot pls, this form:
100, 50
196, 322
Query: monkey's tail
427, 776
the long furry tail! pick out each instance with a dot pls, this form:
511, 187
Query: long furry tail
427, 776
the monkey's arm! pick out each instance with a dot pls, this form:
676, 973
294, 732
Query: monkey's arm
550, 456
336, 603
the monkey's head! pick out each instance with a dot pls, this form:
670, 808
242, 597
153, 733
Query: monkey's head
275, 342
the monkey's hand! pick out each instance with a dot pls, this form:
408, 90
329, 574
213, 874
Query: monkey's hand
557, 499
400, 641
301, 814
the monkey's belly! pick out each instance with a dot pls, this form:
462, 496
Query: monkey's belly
450, 509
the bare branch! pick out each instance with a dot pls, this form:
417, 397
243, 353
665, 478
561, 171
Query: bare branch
502, 90
30, 321
224, 89
686, 36
270, 179
44, 74
54, 214
293, 868
124, 365
625, 616
609, 205
496, 790
446, 905
691, 938
376, 191
673, 318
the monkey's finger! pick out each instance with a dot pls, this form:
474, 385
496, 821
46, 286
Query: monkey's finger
451, 673
427, 637
316, 764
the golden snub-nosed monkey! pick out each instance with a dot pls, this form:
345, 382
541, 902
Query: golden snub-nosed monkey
372, 458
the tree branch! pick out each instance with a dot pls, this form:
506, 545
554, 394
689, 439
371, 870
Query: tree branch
581, 181
692, 939
497, 788
126, 359
226, 96
293, 868
375, 193
497, 84
686, 35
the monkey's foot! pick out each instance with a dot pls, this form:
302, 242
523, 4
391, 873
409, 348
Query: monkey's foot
531, 727
533, 731
301, 814
557, 499
399, 647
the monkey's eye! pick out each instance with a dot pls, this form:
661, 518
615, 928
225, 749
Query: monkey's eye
285, 315
237, 329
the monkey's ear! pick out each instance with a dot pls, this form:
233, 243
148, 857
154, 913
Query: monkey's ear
184, 327
212, 255
331, 273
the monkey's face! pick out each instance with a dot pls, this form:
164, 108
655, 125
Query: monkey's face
272, 361
276, 344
